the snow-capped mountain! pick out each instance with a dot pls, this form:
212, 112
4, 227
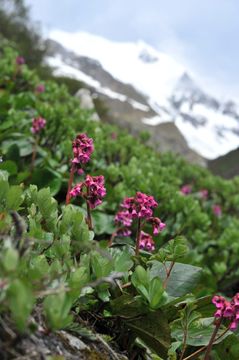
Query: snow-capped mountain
150, 88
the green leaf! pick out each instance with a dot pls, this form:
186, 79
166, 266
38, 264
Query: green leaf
9, 166
157, 296
153, 330
228, 349
21, 302
10, 259
47, 178
127, 306
122, 259
48, 208
182, 280
4, 188
13, 153
140, 276
14, 198
101, 265
199, 331
57, 308
103, 223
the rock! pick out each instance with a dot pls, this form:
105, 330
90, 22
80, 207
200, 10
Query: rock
87, 103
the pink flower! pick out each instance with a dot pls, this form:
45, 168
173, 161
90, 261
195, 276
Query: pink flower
157, 224
140, 206
203, 194
77, 190
217, 210
40, 88
227, 309
37, 125
124, 232
233, 325
114, 135
82, 149
218, 313
236, 300
80, 171
146, 241
218, 301
124, 218
186, 189
92, 189
20, 60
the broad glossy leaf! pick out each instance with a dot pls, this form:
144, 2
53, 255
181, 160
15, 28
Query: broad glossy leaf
182, 280
153, 329
199, 331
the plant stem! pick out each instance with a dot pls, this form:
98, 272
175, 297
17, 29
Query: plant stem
138, 237
89, 218
202, 349
184, 343
114, 234
210, 344
68, 197
34, 153
168, 272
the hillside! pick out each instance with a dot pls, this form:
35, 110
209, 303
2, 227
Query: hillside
103, 239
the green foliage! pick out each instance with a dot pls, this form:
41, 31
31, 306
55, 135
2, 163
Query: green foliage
16, 27
49, 260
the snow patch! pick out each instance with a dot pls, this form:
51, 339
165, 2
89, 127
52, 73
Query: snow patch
62, 69
121, 59
156, 120
206, 129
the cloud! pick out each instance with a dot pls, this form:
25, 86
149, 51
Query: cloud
200, 34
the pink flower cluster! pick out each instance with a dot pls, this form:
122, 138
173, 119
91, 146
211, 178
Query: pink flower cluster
227, 309
20, 60
203, 194
217, 210
146, 242
37, 125
82, 149
139, 207
92, 189
186, 189
40, 88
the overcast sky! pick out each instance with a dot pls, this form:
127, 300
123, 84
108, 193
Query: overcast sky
202, 34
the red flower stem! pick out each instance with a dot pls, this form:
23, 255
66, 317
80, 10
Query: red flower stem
202, 349
138, 237
68, 197
34, 153
214, 334
168, 273
89, 218
110, 243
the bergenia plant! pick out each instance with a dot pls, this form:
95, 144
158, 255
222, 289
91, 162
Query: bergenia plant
82, 148
139, 208
38, 124
20, 60
186, 189
217, 210
93, 191
225, 310
40, 88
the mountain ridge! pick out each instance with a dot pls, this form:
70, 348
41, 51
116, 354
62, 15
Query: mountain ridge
209, 127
